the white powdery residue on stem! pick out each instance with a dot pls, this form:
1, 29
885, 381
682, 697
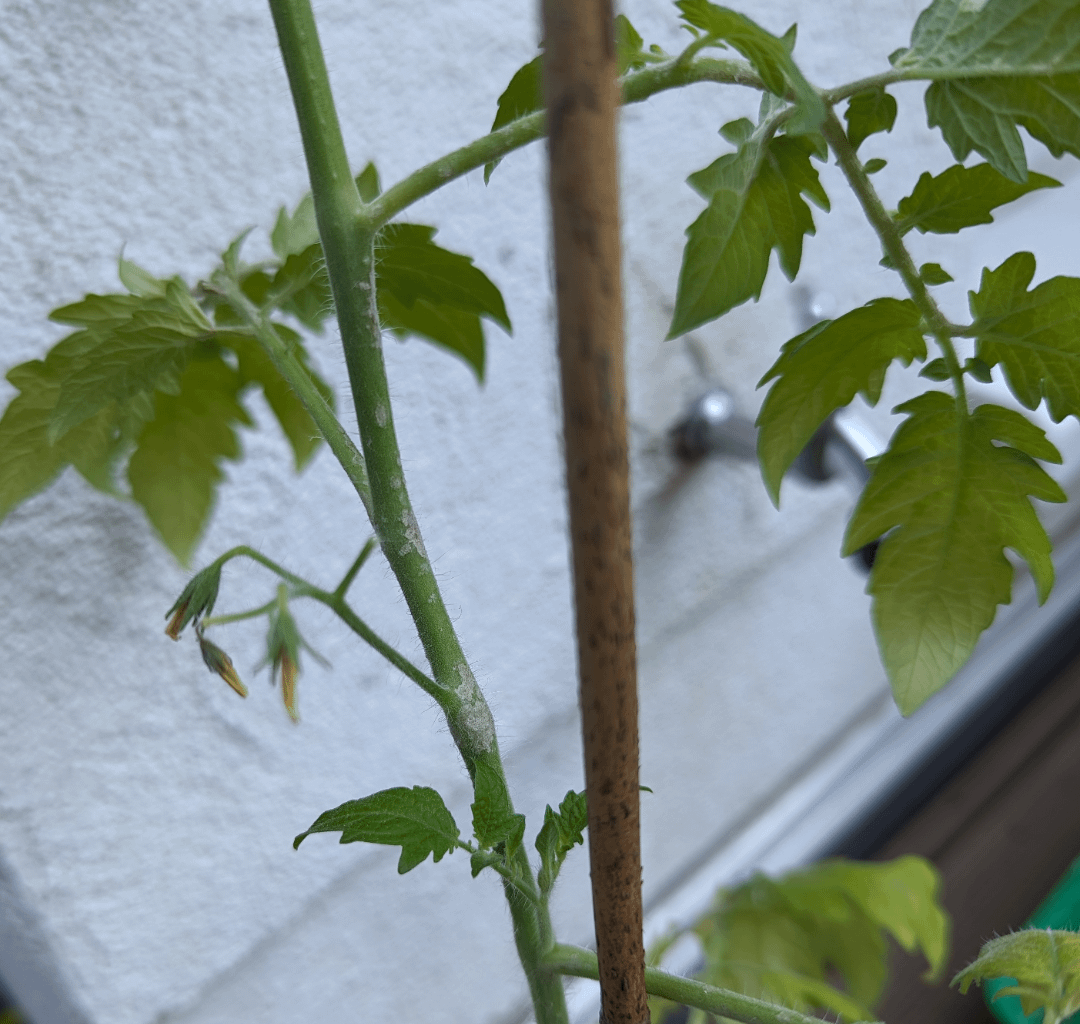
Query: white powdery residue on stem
474, 720
413, 540
381, 416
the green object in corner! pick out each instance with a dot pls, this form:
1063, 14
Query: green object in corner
1060, 910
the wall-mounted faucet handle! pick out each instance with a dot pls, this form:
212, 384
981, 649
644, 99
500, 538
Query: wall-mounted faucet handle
840, 447
711, 426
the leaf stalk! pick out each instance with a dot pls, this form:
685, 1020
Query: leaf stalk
892, 243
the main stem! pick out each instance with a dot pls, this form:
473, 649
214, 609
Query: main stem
347, 232
581, 86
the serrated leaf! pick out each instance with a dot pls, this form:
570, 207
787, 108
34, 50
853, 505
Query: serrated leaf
295, 232
630, 52
786, 941
1034, 335
412, 266
457, 332
770, 56
755, 205
256, 367
140, 282
936, 369
524, 95
1044, 966
415, 819
868, 113
901, 896
978, 369
561, 832
367, 183
301, 287
423, 289
823, 369
129, 346
29, 460
176, 466
954, 500
934, 274
494, 820
1000, 64
961, 197
437, 294
994, 37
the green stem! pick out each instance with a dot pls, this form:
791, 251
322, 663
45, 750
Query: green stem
300, 381
243, 551
871, 82
253, 613
637, 86
581, 963
370, 637
347, 230
892, 243
365, 552
336, 603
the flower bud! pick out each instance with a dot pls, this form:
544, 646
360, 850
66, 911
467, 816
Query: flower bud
196, 599
218, 661
283, 653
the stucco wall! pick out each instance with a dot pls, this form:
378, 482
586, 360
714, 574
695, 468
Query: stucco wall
146, 871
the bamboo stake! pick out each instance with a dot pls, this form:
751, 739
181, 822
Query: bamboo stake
580, 77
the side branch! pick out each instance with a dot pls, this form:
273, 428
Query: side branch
636, 87
290, 368
581, 963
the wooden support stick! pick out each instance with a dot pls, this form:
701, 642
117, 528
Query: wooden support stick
582, 95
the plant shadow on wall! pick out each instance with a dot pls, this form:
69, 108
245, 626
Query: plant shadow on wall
146, 397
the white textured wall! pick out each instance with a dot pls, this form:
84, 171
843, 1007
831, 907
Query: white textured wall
146, 872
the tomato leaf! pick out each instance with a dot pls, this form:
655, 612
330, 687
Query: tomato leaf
561, 832
823, 369
129, 345
950, 499
1000, 64
494, 821
437, 294
29, 459
960, 197
755, 205
786, 940
1043, 966
1034, 335
525, 93
415, 819
867, 113
176, 466
769, 54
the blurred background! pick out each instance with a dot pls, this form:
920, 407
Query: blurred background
146, 813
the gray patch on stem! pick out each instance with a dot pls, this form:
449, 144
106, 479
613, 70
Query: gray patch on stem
413, 540
381, 414
473, 723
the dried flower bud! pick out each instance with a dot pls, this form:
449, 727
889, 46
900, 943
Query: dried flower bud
283, 653
218, 661
288, 685
196, 599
